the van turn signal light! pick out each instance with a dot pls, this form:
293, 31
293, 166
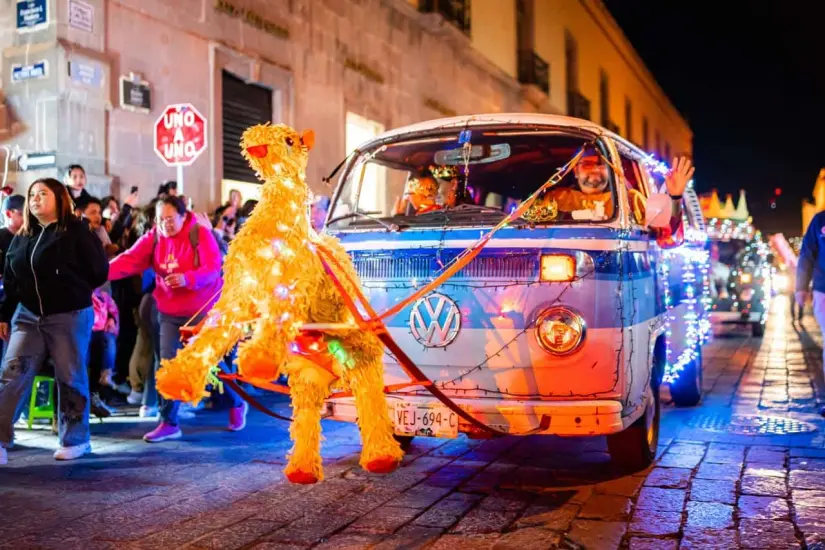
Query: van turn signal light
557, 268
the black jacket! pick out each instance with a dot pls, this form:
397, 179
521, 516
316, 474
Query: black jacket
53, 271
82, 200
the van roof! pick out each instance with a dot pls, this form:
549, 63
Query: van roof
507, 118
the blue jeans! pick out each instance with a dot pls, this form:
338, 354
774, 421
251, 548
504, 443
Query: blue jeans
148, 313
65, 338
169, 345
102, 355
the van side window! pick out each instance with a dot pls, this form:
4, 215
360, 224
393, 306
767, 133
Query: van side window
636, 189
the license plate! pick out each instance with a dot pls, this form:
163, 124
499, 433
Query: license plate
425, 420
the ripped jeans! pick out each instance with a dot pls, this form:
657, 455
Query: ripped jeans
65, 338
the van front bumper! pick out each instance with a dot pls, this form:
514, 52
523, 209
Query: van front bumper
567, 418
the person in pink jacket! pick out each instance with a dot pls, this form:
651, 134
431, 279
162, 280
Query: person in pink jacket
187, 264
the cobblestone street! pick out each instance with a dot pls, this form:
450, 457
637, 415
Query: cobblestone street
725, 478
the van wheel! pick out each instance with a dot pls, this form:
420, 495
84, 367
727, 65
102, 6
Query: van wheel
404, 440
758, 330
635, 448
686, 391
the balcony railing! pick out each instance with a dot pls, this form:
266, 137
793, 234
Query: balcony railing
577, 105
532, 69
456, 12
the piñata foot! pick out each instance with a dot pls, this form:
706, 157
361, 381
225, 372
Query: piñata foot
255, 362
299, 476
382, 465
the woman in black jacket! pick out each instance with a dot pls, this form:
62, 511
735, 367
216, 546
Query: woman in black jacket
52, 266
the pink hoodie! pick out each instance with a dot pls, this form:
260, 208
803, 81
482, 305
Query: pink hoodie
104, 309
175, 255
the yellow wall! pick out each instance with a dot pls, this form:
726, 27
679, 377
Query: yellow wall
602, 45
493, 31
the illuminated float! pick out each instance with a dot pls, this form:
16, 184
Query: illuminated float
740, 265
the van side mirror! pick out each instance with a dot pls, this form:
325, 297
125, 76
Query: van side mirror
658, 211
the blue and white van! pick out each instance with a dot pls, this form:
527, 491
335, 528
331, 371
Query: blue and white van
571, 316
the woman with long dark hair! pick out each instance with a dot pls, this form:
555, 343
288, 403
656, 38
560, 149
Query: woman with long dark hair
52, 267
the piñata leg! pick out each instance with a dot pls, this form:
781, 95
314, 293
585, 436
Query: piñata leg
309, 385
380, 452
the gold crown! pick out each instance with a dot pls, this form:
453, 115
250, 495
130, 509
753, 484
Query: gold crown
542, 213
444, 172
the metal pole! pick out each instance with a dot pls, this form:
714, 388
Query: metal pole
180, 179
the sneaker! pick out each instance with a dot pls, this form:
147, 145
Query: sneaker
135, 397
148, 412
164, 432
123, 389
4, 457
99, 408
71, 453
237, 418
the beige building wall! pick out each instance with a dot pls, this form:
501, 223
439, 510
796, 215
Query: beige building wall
383, 60
601, 45
493, 32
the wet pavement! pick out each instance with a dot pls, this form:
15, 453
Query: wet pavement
746, 469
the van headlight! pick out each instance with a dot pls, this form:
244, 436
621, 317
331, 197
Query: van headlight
560, 330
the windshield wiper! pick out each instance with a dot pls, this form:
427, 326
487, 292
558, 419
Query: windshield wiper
391, 227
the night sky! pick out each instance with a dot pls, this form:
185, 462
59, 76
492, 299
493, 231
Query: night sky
751, 83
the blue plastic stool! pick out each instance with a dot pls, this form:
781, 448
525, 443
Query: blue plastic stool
42, 411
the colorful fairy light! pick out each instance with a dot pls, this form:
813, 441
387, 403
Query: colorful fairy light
697, 326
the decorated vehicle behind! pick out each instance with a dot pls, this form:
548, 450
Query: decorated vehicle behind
526, 265
741, 265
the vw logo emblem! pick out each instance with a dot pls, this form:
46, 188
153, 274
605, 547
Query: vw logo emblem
435, 320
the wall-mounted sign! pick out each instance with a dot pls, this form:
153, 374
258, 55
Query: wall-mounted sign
36, 161
32, 15
81, 16
20, 73
87, 73
135, 94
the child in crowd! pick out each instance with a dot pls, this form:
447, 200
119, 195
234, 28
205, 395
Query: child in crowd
103, 348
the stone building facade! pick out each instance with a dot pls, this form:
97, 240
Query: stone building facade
329, 65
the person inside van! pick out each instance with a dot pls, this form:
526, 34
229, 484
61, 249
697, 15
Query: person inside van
591, 191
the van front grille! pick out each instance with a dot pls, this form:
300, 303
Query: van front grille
382, 267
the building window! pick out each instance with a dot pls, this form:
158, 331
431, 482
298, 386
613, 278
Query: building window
243, 105
372, 196
628, 119
456, 12
571, 62
604, 97
645, 135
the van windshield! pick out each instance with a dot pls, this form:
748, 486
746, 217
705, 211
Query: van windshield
472, 178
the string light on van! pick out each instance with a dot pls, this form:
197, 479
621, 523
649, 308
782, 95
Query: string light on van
697, 325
